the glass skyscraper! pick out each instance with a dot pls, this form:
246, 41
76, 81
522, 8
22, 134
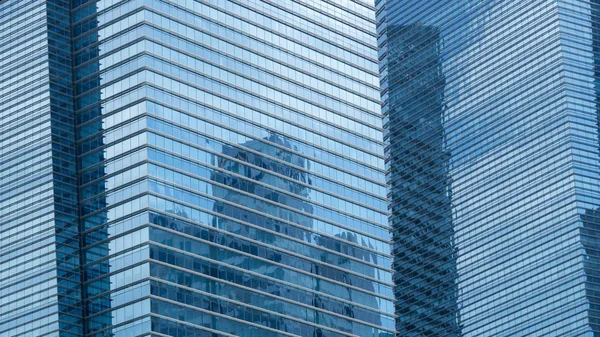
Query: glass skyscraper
192, 168
491, 116
40, 284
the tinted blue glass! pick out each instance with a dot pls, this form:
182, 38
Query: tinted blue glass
231, 167
40, 290
491, 119
188, 167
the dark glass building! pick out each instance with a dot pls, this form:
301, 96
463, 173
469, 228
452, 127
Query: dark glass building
192, 168
491, 118
40, 284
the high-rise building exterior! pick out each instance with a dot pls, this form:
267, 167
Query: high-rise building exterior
40, 288
491, 118
192, 168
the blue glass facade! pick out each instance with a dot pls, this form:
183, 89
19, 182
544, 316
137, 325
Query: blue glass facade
40, 289
491, 122
227, 176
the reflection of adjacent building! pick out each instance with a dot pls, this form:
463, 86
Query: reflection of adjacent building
261, 199
367, 256
259, 190
520, 125
259, 185
136, 233
419, 185
259, 234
